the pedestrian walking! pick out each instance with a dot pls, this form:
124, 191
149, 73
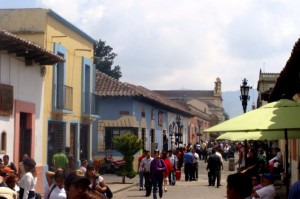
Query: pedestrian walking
195, 165
157, 168
167, 171
172, 175
140, 171
188, 159
213, 167
145, 166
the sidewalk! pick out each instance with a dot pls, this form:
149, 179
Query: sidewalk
115, 182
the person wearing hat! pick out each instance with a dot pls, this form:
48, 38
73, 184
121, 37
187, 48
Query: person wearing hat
28, 181
9, 164
76, 185
268, 190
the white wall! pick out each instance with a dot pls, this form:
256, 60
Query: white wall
28, 86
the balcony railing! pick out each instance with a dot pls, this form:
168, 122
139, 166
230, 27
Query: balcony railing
63, 97
89, 103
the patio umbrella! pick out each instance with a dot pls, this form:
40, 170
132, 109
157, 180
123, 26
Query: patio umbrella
258, 135
282, 116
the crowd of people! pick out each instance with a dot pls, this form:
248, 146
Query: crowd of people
259, 162
64, 180
257, 167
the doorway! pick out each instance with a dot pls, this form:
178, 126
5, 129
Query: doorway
84, 138
25, 135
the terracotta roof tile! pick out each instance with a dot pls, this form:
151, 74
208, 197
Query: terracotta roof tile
186, 93
288, 82
107, 86
27, 49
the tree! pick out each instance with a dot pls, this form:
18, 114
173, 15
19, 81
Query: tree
104, 59
127, 144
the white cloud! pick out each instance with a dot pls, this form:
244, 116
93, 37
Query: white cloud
173, 44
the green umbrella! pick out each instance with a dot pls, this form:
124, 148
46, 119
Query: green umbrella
258, 135
281, 116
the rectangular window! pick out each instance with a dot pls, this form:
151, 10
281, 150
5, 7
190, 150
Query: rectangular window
6, 99
110, 133
88, 96
62, 94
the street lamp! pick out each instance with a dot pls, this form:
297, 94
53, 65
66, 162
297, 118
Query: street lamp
244, 97
178, 135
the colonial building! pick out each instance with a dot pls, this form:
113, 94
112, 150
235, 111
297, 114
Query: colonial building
22, 81
68, 98
265, 85
208, 102
124, 107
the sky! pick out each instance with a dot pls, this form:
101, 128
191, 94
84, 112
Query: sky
176, 44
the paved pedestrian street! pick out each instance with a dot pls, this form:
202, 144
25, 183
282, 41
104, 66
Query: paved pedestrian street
183, 189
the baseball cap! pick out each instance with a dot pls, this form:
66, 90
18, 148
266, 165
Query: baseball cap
7, 170
73, 178
269, 176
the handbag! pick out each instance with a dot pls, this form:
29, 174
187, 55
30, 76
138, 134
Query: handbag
108, 192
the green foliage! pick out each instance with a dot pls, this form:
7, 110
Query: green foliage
226, 116
127, 144
104, 59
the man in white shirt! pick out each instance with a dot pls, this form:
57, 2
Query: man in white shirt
218, 153
172, 175
145, 166
268, 191
195, 164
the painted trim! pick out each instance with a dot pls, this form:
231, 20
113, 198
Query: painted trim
58, 49
71, 26
26, 107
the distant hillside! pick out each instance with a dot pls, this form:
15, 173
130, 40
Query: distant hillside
232, 104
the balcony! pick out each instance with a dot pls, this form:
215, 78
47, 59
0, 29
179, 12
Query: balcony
63, 97
89, 103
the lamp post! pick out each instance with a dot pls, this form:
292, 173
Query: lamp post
171, 133
178, 134
244, 97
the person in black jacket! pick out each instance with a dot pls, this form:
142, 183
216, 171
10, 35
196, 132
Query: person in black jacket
213, 167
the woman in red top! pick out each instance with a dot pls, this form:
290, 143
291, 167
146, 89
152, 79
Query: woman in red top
169, 169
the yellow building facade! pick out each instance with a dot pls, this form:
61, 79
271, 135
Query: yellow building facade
68, 86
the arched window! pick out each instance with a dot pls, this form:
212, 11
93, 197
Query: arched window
3, 141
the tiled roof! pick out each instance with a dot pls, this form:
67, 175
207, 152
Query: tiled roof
186, 93
30, 51
107, 86
288, 82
